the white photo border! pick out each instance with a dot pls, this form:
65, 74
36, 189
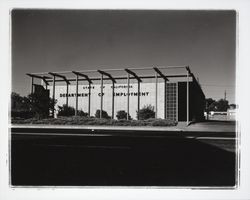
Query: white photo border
242, 8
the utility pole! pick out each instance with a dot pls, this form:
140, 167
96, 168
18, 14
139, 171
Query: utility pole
225, 95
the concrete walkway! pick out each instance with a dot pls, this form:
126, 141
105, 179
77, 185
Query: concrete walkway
210, 126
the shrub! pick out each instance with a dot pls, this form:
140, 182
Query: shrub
77, 120
70, 111
146, 112
66, 110
163, 122
104, 114
82, 113
22, 114
122, 114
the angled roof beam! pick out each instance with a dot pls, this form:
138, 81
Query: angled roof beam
44, 80
133, 74
83, 75
188, 69
40, 77
107, 74
61, 76
160, 73
36, 76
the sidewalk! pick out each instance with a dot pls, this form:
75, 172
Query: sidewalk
209, 126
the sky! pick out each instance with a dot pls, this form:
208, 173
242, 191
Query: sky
66, 40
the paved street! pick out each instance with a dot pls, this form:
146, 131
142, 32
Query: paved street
97, 157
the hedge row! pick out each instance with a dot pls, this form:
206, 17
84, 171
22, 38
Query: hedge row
95, 121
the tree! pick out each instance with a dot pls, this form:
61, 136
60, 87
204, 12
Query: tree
20, 107
222, 105
41, 105
210, 104
38, 104
19, 103
146, 112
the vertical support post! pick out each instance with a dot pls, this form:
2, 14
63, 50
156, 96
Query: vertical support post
53, 96
32, 83
89, 99
177, 104
138, 100
156, 95
187, 97
67, 94
165, 99
101, 95
76, 110
128, 97
207, 111
44, 83
31, 92
113, 99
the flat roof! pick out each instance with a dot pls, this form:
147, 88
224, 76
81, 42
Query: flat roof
108, 74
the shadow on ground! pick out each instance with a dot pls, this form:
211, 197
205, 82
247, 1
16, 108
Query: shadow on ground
118, 161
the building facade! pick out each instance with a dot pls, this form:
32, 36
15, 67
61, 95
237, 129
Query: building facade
176, 97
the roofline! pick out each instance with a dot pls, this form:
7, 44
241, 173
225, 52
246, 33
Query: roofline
110, 70
122, 78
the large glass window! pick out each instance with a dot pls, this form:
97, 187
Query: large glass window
171, 101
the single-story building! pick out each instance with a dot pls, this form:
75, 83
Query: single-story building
174, 96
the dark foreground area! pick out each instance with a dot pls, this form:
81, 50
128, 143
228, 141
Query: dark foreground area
90, 158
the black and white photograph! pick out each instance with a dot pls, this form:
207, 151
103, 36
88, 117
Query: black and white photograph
124, 99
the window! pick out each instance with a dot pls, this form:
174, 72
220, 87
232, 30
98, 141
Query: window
171, 101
